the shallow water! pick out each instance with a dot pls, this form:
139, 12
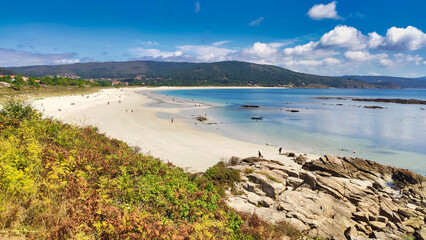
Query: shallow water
394, 135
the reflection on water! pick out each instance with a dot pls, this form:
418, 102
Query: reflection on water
394, 135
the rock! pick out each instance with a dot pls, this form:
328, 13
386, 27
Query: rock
421, 234
310, 179
405, 228
271, 189
292, 173
295, 182
301, 159
361, 216
414, 222
351, 233
377, 225
241, 205
253, 198
266, 201
381, 236
405, 176
379, 219
290, 154
269, 215
407, 212
284, 207
363, 228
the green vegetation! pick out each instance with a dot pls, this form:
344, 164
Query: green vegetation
58, 181
230, 73
222, 175
4, 71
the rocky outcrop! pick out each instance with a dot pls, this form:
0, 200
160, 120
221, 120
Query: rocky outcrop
333, 197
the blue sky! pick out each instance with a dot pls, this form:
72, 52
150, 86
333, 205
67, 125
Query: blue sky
372, 37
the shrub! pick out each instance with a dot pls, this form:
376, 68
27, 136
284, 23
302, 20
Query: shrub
17, 109
222, 175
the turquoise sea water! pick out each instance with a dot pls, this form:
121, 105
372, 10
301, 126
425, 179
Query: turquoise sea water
394, 135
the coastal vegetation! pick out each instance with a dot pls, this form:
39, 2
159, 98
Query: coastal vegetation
59, 181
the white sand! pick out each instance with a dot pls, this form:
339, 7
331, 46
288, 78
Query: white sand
177, 142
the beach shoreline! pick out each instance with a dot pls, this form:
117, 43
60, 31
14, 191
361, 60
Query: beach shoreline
132, 115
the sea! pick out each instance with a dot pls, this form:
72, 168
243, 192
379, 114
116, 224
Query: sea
320, 121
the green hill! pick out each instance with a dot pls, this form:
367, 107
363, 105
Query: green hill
230, 73
400, 81
4, 71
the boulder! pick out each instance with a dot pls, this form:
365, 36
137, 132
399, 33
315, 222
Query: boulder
414, 222
271, 188
361, 217
405, 228
310, 179
266, 201
253, 198
377, 225
294, 182
301, 159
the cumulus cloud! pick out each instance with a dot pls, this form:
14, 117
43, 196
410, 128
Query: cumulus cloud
197, 7
375, 40
309, 50
263, 50
344, 37
256, 22
12, 58
324, 11
363, 56
409, 38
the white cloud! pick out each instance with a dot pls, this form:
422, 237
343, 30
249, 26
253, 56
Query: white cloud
256, 22
386, 62
197, 7
402, 58
12, 58
155, 53
207, 53
324, 11
359, 55
331, 61
344, 37
375, 40
409, 38
220, 43
149, 43
309, 50
362, 56
262, 50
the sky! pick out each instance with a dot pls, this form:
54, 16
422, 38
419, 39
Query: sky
333, 38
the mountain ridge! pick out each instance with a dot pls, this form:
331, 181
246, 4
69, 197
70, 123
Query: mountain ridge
227, 73
400, 81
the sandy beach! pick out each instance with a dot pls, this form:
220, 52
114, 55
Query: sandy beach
132, 117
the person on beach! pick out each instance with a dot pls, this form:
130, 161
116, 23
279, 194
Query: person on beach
279, 150
260, 154
172, 120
